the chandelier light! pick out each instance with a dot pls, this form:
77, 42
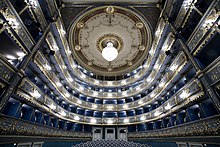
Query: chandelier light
109, 53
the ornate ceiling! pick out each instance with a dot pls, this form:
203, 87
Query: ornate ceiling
130, 34
60, 72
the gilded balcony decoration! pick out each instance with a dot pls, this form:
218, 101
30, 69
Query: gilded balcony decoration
36, 12
12, 126
50, 39
184, 13
208, 22
42, 64
213, 73
6, 71
204, 127
16, 24
189, 93
181, 60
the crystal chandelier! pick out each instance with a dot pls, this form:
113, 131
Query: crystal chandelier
109, 53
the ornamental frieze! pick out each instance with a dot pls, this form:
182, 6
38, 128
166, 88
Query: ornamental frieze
204, 127
214, 74
13, 126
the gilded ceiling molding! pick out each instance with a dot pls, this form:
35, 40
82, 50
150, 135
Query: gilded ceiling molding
133, 36
187, 95
16, 24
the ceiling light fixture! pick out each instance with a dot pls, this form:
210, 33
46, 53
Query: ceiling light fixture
157, 113
110, 121
161, 84
47, 67
70, 79
168, 106
67, 95
63, 113
36, 94
58, 84
10, 57
123, 81
173, 67
109, 53
95, 93
93, 120
140, 102
21, 54
96, 81
94, 106
142, 118
184, 94
110, 107
52, 106
125, 106
79, 101
77, 118
126, 120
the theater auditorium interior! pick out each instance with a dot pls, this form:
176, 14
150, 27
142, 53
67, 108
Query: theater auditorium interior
109, 73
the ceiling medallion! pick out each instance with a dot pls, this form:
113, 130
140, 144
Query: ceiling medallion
77, 47
80, 25
139, 25
104, 41
141, 47
110, 37
110, 10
